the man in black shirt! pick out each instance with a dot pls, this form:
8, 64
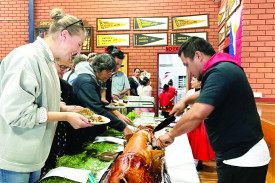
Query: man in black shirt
227, 106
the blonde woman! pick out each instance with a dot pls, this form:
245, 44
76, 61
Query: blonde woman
30, 99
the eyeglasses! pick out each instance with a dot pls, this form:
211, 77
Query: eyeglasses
110, 72
63, 67
79, 21
119, 65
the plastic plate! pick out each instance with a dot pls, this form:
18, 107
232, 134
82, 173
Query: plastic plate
106, 120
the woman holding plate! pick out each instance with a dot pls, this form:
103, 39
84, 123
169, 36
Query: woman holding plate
87, 91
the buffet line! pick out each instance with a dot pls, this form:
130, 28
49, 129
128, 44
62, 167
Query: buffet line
139, 160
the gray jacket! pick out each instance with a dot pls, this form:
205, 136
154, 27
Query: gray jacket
28, 81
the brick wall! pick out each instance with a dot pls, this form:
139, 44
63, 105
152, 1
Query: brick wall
258, 41
259, 45
258, 30
142, 57
13, 25
90, 10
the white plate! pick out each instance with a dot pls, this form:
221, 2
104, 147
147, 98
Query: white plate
106, 120
115, 106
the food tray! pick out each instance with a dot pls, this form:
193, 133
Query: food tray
165, 175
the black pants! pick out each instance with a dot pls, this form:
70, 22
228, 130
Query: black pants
235, 174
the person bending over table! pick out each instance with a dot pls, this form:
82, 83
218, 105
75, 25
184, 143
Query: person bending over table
87, 91
226, 104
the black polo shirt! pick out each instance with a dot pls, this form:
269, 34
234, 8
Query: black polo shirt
234, 126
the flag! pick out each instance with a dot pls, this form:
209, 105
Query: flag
235, 37
238, 48
231, 44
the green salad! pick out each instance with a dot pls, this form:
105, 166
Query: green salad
88, 159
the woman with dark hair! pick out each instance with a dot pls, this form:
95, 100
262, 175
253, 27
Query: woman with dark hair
87, 91
134, 82
165, 101
144, 90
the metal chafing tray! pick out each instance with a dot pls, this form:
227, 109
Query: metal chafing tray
109, 169
140, 102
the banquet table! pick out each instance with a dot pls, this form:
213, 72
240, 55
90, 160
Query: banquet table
179, 160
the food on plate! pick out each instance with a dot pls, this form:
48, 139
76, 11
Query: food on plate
92, 117
140, 161
96, 119
119, 104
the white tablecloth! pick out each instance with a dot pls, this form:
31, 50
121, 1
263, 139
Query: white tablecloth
179, 158
180, 162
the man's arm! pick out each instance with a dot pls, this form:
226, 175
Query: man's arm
103, 96
120, 116
76, 120
187, 123
179, 108
122, 92
126, 86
